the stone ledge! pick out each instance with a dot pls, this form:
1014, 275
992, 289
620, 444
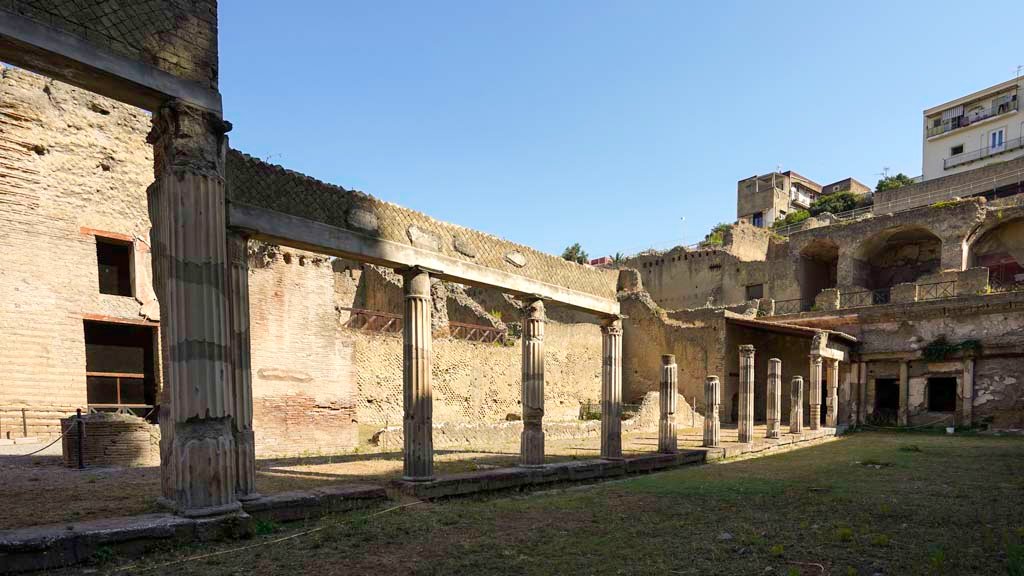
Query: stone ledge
302, 504
591, 470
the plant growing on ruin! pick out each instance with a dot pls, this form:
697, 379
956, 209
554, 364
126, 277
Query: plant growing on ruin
792, 218
942, 349
575, 253
839, 202
893, 182
717, 235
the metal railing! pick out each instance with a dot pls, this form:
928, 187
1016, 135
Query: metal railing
477, 332
936, 290
862, 298
373, 321
964, 121
997, 284
967, 190
982, 153
794, 306
856, 213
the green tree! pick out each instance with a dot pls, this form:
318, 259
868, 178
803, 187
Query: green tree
792, 218
575, 253
717, 235
893, 182
619, 258
839, 202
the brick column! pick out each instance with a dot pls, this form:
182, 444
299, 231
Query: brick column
187, 210
815, 392
667, 443
531, 445
774, 404
746, 394
416, 378
796, 405
712, 403
238, 312
611, 389
832, 400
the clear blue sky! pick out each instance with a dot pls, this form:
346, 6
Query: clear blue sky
559, 121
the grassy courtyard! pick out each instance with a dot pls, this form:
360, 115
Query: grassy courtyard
870, 503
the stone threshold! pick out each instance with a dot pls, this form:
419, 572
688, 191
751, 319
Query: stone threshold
523, 478
55, 545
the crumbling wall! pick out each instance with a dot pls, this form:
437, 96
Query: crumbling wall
71, 163
111, 440
303, 363
999, 392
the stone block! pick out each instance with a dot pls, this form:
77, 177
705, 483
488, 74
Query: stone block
827, 300
972, 281
903, 293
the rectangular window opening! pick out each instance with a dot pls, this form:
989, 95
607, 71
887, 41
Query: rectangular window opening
942, 394
956, 150
114, 265
758, 219
755, 291
119, 368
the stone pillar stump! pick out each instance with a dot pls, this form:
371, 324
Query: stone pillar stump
796, 405
774, 404
667, 442
712, 405
815, 392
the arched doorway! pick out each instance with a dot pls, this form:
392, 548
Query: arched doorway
818, 269
897, 255
1001, 250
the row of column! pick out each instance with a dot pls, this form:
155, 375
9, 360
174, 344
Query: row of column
745, 399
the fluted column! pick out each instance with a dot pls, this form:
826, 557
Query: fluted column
832, 400
239, 346
903, 417
746, 394
417, 398
774, 404
187, 210
967, 393
712, 405
815, 392
667, 443
796, 405
611, 389
531, 446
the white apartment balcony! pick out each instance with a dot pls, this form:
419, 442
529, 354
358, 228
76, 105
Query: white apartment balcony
983, 153
800, 199
962, 120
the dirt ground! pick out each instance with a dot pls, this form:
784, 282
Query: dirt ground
40, 490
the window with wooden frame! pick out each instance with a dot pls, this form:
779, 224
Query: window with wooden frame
119, 368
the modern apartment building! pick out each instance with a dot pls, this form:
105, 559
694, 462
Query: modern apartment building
973, 131
761, 200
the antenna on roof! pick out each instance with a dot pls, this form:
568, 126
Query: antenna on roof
884, 173
1020, 67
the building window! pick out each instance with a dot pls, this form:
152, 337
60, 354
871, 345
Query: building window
996, 139
114, 263
119, 373
955, 150
942, 394
758, 219
755, 291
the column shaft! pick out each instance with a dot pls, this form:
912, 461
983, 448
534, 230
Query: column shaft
746, 394
611, 390
238, 312
187, 210
416, 378
796, 405
903, 417
832, 400
967, 394
862, 378
667, 443
712, 405
531, 446
774, 404
815, 392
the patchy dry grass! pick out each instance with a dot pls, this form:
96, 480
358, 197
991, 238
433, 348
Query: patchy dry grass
948, 506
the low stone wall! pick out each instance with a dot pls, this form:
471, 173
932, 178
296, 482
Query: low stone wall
112, 440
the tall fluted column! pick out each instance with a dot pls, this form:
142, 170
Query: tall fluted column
746, 394
712, 404
238, 312
967, 393
531, 445
815, 392
417, 399
832, 400
796, 405
187, 210
774, 404
862, 379
611, 389
667, 443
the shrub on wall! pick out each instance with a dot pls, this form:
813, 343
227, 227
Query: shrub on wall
792, 218
839, 202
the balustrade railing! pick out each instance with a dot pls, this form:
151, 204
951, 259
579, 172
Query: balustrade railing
477, 332
936, 290
794, 306
373, 321
861, 298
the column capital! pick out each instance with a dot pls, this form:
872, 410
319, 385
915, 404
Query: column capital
188, 138
417, 282
668, 359
612, 326
815, 358
747, 349
535, 310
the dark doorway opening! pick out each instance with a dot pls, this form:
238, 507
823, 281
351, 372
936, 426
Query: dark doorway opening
119, 368
824, 397
942, 394
887, 400
734, 410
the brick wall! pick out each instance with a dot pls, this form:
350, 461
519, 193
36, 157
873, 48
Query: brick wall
112, 440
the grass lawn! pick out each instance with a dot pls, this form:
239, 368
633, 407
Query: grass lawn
869, 503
